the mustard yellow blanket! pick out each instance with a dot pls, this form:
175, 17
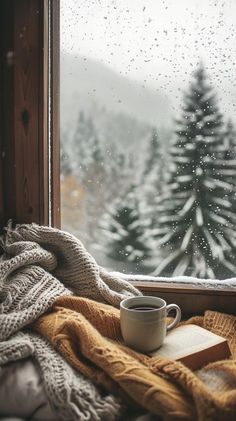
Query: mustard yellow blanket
87, 334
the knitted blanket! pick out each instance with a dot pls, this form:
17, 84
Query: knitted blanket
40, 264
88, 335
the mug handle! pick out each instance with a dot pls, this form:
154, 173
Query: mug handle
177, 317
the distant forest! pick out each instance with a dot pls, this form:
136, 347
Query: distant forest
163, 204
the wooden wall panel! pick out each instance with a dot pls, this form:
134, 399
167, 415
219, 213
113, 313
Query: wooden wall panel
24, 139
6, 104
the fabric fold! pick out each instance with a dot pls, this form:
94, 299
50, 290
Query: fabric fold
87, 334
69, 262
40, 264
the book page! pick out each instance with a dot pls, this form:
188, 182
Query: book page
186, 340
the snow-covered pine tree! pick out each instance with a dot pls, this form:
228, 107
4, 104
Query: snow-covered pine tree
153, 152
119, 171
229, 144
87, 150
196, 225
124, 231
228, 172
152, 176
65, 158
88, 167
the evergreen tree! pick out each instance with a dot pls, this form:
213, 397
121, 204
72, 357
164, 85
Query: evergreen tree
230, 141
96, 152
228, 172
119, 172
196, 226
125, 231
65, 158
153, 152
88, 167
152, 177
87, 150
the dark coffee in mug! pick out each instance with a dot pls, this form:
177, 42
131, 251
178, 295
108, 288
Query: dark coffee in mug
145, 307
143, 321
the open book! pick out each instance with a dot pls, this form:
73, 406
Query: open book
193, 346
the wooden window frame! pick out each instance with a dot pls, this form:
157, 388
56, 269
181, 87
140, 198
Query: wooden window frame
29, 100
29, 86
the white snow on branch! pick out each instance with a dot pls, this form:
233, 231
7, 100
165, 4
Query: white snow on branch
216, 250
219, 219
184, 178
229, 215
188, 205
166, 261
199, 217
224, 244
223, 184
166, 218
222, 202
187, 238
229, 265
182, 266
182, 159
221, 162
210, 184
164, 239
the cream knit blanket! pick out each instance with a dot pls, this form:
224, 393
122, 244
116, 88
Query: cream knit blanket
40, 264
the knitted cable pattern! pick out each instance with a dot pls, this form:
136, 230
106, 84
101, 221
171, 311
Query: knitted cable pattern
39, 265
86, 332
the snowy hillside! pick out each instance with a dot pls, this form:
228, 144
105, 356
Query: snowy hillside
89, 85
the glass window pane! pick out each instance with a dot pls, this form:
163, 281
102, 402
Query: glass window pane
148, 134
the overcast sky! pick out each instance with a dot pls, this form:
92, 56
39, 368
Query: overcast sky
157, 42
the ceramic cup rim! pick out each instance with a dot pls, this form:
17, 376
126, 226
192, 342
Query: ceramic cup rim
136, 300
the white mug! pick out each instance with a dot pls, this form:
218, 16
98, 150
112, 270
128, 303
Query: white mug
143, 322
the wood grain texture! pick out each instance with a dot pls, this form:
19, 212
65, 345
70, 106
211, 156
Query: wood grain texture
25, 139
43, 82
192, 299
30, 80
7, 177
55, 113
1, 119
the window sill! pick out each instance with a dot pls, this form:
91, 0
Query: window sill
192, 299
194, 296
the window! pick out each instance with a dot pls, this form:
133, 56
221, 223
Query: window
148, 134
25, 125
